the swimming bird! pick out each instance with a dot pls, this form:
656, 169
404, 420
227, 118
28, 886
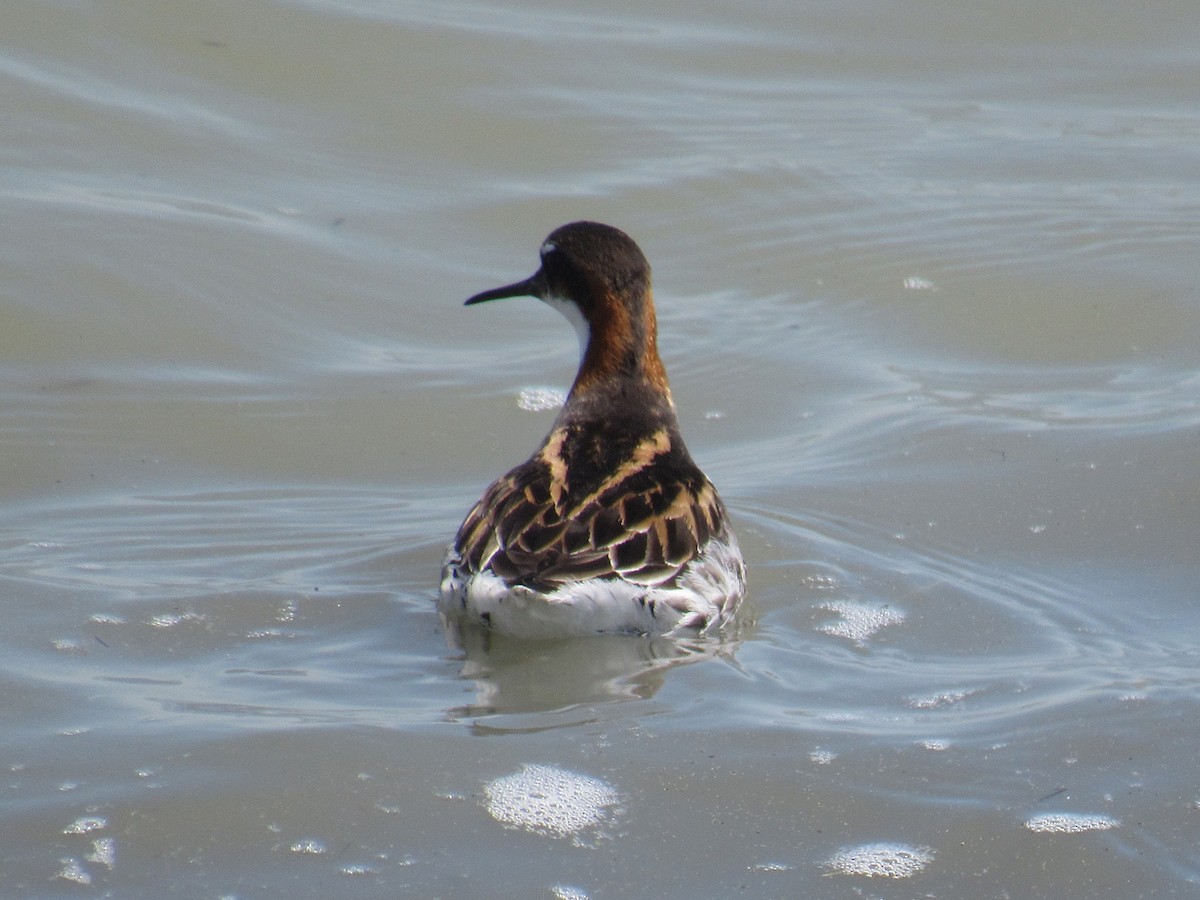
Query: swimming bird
610, 526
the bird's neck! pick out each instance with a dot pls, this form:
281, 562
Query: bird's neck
621, 347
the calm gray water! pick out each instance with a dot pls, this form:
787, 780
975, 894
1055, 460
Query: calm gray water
927, 283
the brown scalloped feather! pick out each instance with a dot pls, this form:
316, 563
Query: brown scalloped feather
643, 530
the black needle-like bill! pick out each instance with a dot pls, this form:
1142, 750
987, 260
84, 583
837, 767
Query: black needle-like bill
530, 287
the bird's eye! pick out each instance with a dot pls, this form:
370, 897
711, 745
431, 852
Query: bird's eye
548, 248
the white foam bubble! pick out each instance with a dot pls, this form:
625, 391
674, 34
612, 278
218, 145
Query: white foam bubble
820, 582
309, 846
859, 621
73, 870
170, 620
550, 801
822, 757
538, 399
568, 892
1070, 823
104, 852
259, 634
86, 824
941, 698
771, 867
881, 860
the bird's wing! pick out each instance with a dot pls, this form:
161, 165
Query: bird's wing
643, 528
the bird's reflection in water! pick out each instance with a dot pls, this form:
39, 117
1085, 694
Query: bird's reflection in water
513, 675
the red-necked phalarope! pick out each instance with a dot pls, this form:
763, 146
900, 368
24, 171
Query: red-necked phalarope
610, 526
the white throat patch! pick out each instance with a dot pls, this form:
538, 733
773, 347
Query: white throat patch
573, 314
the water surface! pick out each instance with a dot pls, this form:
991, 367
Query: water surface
927, 291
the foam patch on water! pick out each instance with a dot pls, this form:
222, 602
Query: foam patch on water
539, 399
1070, 823
170, 620
881, 860
550, 801
820, 582
309, 847
771, 868
859, 621
939, 699
86, 824
104, 852
73, 870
